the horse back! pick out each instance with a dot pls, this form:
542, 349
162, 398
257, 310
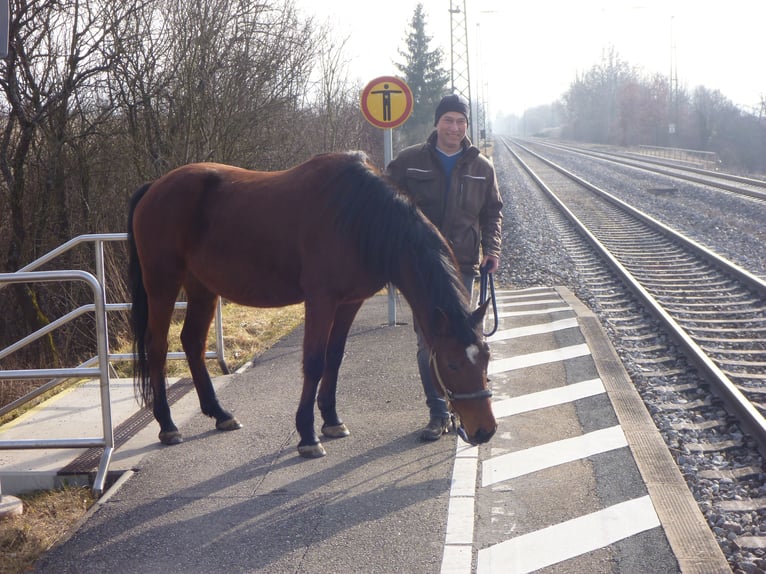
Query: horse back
258, 238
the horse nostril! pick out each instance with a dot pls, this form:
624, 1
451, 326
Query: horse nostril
483, 436
480, 437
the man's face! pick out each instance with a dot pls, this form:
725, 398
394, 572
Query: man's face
450, 130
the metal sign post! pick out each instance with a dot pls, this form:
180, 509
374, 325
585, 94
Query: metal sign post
386, 103
388, 155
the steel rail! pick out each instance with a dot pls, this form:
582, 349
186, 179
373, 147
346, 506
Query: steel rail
713, 177
751, 419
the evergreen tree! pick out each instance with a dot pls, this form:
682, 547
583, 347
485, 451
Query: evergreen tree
423, 72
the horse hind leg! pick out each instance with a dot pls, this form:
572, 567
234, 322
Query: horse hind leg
160, 314
199, 314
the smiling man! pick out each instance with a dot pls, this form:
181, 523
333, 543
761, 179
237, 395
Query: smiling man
455, 186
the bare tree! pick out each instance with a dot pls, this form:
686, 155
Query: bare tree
58, 57
214, 80
101, 95
333, 90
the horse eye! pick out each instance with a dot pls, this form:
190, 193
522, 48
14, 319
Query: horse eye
453, 366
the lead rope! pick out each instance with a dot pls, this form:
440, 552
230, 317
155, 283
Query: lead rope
487, 279
438, 377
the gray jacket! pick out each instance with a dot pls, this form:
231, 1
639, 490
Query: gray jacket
470, 214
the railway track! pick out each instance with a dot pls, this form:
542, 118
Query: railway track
684, 315
736, 184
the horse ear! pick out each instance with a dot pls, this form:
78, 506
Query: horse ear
477, 317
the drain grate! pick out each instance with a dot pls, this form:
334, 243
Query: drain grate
89, 460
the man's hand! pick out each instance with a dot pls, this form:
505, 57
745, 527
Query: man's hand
491, 263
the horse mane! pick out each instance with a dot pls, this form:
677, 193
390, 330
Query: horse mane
384, 224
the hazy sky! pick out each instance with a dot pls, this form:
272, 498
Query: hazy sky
716, 44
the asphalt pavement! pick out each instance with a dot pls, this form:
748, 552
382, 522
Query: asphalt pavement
577, 479
244, 501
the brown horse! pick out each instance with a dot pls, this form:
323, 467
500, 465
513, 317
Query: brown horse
330, 232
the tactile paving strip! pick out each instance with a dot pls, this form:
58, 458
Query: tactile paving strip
89, 460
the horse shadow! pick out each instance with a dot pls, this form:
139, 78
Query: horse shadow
250, 518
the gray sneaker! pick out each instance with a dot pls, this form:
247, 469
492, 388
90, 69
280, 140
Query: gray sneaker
435, 429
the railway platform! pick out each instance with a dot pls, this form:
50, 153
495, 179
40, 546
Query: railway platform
576, 480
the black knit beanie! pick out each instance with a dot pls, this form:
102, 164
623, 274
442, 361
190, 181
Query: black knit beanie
451, 103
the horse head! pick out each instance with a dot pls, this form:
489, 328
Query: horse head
459, 370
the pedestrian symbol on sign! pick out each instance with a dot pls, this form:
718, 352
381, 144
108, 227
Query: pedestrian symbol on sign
386, 93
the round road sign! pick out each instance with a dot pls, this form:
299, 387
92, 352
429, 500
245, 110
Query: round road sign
386, 102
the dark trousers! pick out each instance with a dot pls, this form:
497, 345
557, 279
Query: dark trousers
437, 404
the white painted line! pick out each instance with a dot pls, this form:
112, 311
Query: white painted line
457, 559
536, 312
460, 519
541, 358
559, 542
464, 477
543, 328
514, 464
466, 450
522, 293
502, 305
458, 542
547, 398
524, 297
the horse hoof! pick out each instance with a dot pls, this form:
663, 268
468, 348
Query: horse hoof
336, 431
228, 424
312, 451
171, 437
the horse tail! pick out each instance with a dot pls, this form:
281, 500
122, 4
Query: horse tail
139, 310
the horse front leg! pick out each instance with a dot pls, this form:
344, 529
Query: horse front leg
318, 322
309, 445
332, 426
199, 314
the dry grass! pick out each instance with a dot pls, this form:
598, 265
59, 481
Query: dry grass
247, 332
48, 516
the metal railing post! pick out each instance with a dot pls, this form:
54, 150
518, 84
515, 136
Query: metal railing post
103, 356
102, 343
102, 372
219, 337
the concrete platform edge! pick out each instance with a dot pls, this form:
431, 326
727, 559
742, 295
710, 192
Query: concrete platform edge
689, 535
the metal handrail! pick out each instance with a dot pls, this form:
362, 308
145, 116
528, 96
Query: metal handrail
103, 355
101, 372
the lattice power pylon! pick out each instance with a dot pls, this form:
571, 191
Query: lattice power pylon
460, 71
